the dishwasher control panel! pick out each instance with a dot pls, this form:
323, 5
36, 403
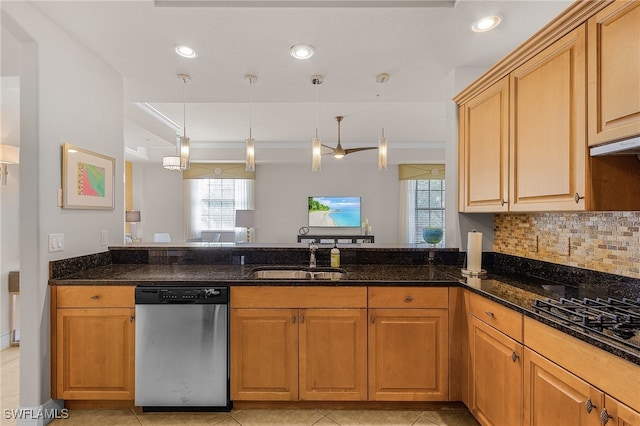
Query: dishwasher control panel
182, 294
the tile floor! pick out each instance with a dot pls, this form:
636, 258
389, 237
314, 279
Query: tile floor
9, 365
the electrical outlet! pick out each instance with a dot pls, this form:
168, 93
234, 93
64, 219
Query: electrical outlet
56, 242
104, 238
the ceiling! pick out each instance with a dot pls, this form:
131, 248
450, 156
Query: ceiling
417, 42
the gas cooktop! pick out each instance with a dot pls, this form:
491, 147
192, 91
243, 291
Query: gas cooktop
614, 319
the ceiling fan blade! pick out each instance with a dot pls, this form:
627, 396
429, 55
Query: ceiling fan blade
327, 146
350, 150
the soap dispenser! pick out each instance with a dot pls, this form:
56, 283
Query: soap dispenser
335, 256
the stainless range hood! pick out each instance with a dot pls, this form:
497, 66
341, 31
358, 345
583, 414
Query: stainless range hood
623, 147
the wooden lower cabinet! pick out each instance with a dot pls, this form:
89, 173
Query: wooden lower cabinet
264, 354
291, 354
554, 396
617, 414
408, 355
93, 343
495, 376
333, 354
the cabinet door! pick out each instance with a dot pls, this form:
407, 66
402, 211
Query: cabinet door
614, 67
95, 354
547, 135
618, 414
333, 354
408, 355
485, 150
264, 354
553, 396
495, 376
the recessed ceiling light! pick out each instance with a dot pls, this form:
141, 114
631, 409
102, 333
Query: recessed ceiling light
185, 51
301, 51
486, 24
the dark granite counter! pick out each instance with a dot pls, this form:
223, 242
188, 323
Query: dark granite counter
510, 281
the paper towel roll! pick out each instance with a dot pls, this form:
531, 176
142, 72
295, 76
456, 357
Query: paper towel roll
474, 251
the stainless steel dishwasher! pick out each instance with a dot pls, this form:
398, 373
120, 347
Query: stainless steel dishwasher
182, 348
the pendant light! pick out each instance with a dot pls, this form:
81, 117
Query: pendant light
250, 161
182, 160
316, 143
382, 140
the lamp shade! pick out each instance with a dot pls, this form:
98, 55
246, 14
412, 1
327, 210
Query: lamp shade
132, 216
9, 154
245, 218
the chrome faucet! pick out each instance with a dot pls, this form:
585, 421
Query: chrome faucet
312, 258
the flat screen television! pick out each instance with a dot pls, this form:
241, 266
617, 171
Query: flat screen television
334, 212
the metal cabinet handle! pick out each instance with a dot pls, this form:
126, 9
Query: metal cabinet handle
489, 313
408, 299
131, 318
589, 406
373, 319
293, 319
95, 297
577, 198
503, 202
514, 356
301, 319
605, 416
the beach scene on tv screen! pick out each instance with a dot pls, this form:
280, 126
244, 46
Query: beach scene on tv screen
334, 212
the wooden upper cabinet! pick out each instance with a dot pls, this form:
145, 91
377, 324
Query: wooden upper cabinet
614, 72
484, 150
547, 134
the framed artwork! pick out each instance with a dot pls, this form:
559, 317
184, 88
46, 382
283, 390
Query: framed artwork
87, 179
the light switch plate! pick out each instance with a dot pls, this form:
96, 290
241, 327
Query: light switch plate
56, 242
104, 238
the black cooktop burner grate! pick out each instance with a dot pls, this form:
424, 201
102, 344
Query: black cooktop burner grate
618, 318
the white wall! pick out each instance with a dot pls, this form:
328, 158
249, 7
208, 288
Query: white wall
282, 191
67, 95
9, 196
158, 194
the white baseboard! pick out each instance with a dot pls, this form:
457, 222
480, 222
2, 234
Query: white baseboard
5, 340
39, 415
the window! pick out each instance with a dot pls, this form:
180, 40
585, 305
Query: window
217, 198
429, 207
422, 201
212, 203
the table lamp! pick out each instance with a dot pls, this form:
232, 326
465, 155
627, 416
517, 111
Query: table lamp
245, 219
133, 217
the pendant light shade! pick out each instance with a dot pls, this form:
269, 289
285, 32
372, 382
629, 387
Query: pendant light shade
316, 143
382, 152
182, 161
250, 160
250, 156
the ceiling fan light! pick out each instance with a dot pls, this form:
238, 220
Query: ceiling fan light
382, 153
316, 158
250, 160
338, 156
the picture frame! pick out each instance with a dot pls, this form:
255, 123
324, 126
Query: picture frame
87, 179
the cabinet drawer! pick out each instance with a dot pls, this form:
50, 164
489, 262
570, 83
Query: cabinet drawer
95, 296
408, 297
298, 297
502, 318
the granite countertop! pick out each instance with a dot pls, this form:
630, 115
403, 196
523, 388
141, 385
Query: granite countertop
515, 291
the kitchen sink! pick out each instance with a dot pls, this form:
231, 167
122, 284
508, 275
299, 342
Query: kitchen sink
266, 273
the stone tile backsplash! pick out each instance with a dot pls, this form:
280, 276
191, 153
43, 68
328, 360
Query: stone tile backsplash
600, 241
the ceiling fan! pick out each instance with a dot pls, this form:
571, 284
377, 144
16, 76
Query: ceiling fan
339, 151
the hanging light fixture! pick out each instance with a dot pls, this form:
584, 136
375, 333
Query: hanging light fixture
8, 155
250, 161
316, 143
382, 140
182, 160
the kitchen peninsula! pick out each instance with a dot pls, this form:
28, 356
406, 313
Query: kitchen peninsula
471, 320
